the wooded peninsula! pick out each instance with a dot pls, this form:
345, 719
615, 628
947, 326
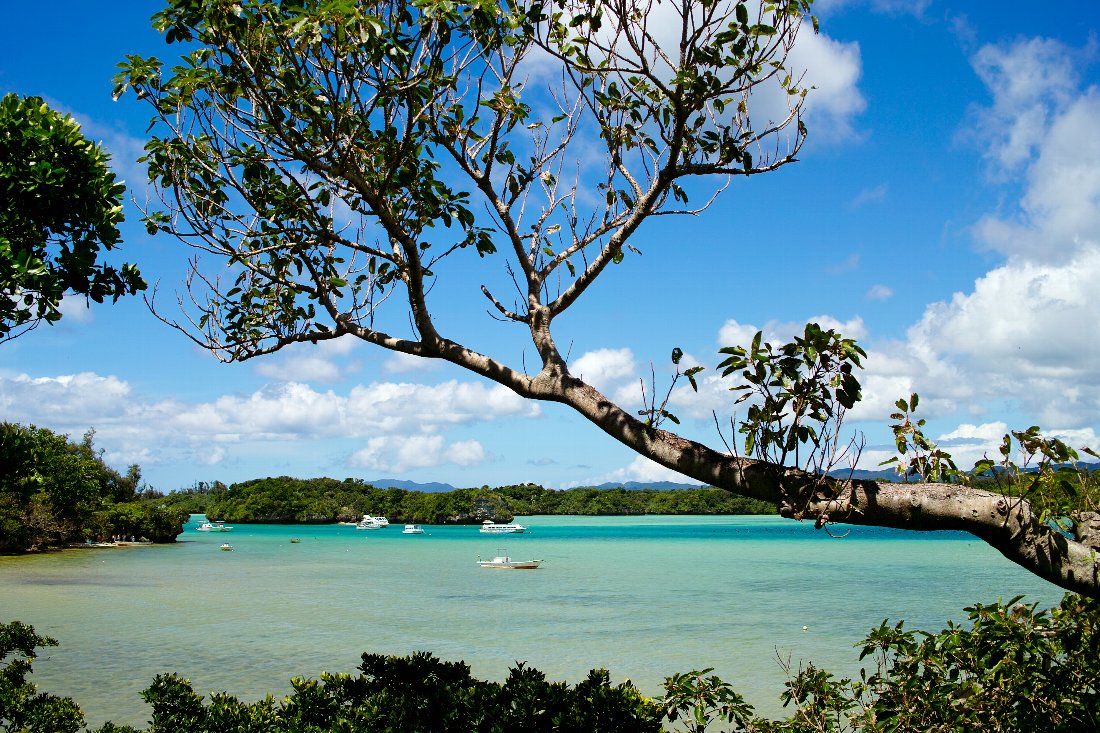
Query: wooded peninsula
286, 500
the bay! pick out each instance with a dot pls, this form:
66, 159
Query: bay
644, 597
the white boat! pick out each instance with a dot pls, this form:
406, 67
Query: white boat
213, 527
383, 521
227, 547
412, 529
504, 562
369, 522
491, 527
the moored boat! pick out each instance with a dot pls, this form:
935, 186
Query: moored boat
213, 527
412, 529
227, 547
504, 562
369, 522
491, 527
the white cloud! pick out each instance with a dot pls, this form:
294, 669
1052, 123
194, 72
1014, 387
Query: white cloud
1060, 212
124, 149
893, 7
405, 452
969, 443
76, 309
1028, 79
319, 362
76, 400
1023, 338
870, 195
401, 363
209, 432
605, 369
643, 469
879, 292
833, 70
733, 333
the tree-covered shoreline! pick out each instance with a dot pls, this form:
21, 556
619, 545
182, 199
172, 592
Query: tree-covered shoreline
55, 492
287, 500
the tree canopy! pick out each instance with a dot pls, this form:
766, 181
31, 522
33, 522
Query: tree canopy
337, 160
286, 500
54, 491
59, 206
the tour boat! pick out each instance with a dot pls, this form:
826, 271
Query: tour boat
412, 529
491, 527
213, 527
504, 562
369, 522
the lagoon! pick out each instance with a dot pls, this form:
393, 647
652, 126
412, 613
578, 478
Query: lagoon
643, 596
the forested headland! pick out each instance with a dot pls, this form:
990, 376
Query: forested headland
55, 492
286, 500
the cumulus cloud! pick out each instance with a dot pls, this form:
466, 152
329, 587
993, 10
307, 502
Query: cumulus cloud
76, 400
324, 362
383, 412
734, 333
1060, 211
605, 369
1023, 337
406, 452
399, 363
1029, 80
643, 469
833, 70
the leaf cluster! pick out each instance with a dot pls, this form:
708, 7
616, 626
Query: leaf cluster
797, 394
22, 708
1043, 469
918, 455
60, 207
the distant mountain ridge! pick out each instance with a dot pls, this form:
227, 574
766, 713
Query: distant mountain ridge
436, 486
431, 487
639, 485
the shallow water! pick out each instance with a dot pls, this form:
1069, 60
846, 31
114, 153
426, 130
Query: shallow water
643, 596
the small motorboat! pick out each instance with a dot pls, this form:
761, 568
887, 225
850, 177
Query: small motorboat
491, 527
412, 529
504, 562
227, 547
294, 540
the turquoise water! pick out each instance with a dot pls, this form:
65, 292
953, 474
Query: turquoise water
643, 596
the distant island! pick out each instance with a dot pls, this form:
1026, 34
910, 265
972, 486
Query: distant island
287, 500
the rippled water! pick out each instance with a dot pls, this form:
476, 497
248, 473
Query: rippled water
643, 596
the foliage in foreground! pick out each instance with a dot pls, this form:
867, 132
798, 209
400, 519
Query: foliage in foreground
54, 491
60, 206
1013, 668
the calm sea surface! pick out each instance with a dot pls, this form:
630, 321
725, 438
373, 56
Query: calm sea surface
643, 596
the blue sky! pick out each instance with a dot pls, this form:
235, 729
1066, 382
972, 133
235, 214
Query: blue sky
945, 211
